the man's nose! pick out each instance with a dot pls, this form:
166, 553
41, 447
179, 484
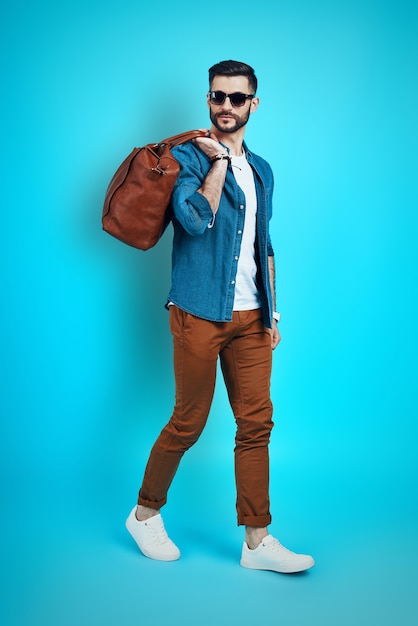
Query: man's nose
227, 104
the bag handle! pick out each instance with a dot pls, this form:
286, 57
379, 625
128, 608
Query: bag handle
176, 140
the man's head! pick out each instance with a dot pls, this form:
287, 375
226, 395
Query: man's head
233, 68
231, 97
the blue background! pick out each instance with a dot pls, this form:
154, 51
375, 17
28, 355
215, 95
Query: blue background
86, 381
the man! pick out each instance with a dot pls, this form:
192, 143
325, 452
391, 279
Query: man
222, 305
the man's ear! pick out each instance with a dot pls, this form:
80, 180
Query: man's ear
254, 104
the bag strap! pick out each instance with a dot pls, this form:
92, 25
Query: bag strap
176, 140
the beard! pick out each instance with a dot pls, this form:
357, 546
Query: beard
239, 122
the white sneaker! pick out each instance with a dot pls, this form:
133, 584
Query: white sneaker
151, 537
271, 555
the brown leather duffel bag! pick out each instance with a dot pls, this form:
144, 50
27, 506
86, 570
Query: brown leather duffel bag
137, 202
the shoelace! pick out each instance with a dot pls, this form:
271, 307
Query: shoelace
274, 544
158, 531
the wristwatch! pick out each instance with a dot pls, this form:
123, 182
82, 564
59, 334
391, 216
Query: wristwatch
276, 316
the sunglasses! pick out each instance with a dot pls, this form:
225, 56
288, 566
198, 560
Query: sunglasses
237, 99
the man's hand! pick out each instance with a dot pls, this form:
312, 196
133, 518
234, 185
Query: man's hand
210, 145
275, 335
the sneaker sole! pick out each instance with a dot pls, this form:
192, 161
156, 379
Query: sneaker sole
284, 569
155, 557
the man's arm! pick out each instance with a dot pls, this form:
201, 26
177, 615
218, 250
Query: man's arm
213, 184
275, 335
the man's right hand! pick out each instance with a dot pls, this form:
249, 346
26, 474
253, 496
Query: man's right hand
210, 146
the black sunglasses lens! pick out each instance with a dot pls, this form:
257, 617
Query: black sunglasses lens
217, 97
237, 99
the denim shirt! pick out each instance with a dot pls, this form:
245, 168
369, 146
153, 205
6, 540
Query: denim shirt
206, 248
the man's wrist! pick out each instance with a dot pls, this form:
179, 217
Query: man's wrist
221, 157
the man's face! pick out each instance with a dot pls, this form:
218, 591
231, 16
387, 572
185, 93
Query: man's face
225, 117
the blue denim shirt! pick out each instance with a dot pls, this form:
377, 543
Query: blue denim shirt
206, 249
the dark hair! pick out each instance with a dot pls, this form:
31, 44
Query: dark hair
233, 68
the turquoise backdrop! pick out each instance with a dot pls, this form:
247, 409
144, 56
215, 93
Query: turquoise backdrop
86, 381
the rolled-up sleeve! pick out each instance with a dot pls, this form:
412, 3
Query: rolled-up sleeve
270, 251
190, 207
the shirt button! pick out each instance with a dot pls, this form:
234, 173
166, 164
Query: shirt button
232, 282
241, 206
240, 232
236, 258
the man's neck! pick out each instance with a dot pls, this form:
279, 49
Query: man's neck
233, 141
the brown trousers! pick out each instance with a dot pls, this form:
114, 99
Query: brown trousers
244, 349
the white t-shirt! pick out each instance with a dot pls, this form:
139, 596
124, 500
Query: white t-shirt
246, 294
